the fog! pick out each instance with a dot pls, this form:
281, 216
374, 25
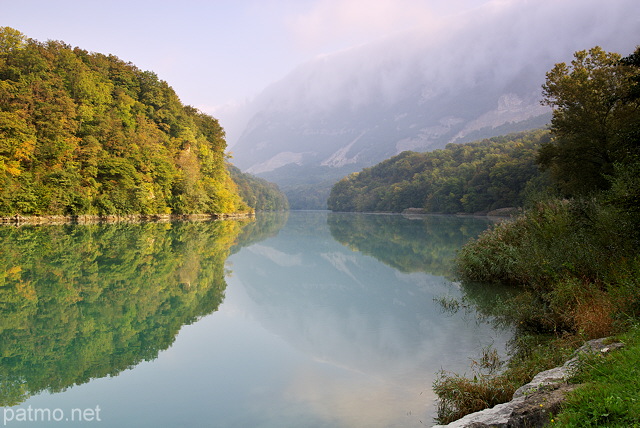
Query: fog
499, 43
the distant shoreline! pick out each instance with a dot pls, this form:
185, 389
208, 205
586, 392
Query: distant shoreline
17, 219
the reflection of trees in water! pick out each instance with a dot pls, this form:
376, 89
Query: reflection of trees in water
265, 225
82, 302
427, 244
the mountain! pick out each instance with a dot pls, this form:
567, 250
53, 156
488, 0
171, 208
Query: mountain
474, 76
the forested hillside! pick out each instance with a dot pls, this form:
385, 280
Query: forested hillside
87, 133
259, 193
474, 177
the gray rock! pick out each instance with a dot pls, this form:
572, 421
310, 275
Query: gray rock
533, 404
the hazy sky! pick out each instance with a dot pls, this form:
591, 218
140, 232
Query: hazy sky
220, 52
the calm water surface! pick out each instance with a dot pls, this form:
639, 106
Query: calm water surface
301, 319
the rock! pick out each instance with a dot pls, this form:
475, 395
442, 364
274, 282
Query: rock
533, 404
537, 408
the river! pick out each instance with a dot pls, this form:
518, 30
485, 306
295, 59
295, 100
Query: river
298, 319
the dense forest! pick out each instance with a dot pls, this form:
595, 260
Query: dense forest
259, 193
87, 133
474, 177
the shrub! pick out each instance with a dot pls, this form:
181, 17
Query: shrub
575, 258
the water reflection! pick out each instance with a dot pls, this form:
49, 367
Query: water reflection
84, 302
314, 320
374, 327
409, 244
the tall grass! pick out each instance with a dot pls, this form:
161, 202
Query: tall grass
574, 259
460, 395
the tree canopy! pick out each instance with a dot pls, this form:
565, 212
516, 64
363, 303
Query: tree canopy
87, 133
260, 194
474, 177
595, 120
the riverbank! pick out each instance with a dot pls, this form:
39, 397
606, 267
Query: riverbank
17, 220
576, 267
598, 386
537, 403
500, 212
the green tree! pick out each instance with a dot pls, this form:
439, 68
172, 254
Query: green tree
593, 118
473, 177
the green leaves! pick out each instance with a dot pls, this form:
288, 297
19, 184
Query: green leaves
595, 119
99, 136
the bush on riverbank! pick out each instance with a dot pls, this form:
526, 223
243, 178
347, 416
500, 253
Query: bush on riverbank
576, 264
574, 257
578, 269
575, 260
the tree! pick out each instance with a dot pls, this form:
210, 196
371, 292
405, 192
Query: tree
592, 117
10, 39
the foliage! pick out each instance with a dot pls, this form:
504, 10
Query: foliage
79, 302
474, 177
259, 194
595, 120
576, 259
86, 133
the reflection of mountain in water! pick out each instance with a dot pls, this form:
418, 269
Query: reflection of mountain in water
88, 301
347, 308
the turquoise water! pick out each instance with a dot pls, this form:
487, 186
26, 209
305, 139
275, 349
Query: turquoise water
300, 319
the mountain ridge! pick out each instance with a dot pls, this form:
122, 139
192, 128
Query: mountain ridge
420, 90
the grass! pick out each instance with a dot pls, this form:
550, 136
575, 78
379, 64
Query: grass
610, 391
493, 381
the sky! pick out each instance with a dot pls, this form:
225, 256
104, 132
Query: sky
217, 54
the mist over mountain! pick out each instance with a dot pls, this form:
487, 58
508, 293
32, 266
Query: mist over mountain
473, 76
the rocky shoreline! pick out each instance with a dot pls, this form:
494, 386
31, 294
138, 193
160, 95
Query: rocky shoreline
534, 404
18, 220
